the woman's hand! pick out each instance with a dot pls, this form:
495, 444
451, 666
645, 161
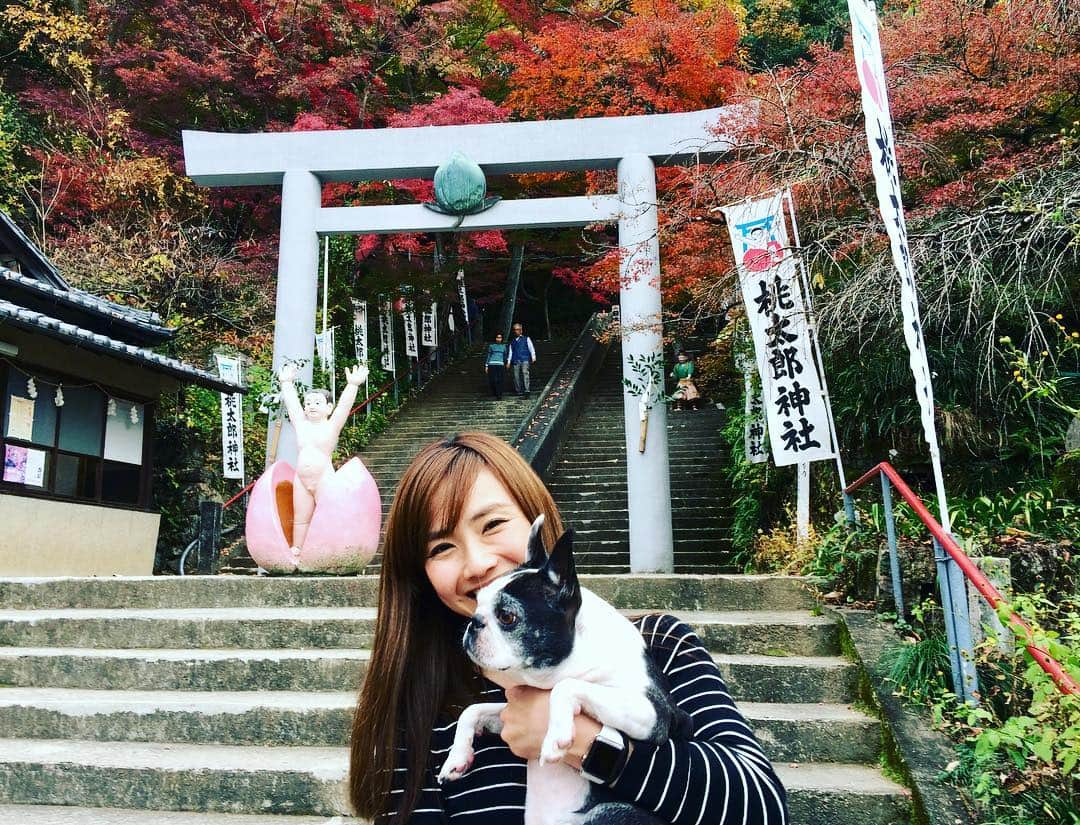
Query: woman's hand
525, 721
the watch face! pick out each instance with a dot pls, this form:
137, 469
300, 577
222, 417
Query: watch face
602, 760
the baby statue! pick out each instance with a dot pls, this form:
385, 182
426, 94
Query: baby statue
317, 431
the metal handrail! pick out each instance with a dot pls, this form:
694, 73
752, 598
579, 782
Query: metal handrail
973, 574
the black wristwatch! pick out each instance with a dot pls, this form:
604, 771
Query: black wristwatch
606, 756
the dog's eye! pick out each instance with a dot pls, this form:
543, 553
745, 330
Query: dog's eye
507, 618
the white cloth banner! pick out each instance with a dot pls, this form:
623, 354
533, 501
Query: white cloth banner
324, 348
462, 296
409, 316
386, 337
798, 421
232, 420
360, 343
428, 327
756, 428
879, 137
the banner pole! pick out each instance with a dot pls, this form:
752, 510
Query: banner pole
812, 319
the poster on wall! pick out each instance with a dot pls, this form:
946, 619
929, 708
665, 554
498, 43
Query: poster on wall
880, 139
428, 334
20, 422
795, 406
15, 464
35, 468
232, 420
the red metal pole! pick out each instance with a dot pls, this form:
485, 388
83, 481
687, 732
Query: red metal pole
1056, 672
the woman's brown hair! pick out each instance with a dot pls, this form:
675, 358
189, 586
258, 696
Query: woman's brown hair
417, 668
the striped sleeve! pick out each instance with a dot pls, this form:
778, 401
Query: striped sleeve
429, 809
720, 775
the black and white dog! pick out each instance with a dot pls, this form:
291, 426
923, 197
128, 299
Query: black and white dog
537, 626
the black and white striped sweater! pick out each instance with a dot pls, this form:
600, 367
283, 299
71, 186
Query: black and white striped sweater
719, 776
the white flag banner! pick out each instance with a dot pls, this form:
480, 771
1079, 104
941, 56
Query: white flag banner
360, 342
324, 348
798, 420
232, 420
879, 137
386, 337
428, 324
756, 428
409, 316
462, 296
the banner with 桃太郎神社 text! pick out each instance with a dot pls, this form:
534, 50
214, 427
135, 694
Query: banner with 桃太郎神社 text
795, 407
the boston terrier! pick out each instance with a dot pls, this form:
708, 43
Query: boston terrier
537, 626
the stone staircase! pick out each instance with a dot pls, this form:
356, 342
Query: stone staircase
588, 481
130, 700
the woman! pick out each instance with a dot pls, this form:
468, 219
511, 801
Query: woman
460, 519
495, 364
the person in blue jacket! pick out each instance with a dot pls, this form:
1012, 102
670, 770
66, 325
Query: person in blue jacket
494, 364
522, 354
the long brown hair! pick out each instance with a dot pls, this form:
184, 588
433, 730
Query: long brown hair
417, 668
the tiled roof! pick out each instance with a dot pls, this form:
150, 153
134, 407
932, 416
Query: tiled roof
61, 330
149, 322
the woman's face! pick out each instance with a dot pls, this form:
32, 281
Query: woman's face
489, 540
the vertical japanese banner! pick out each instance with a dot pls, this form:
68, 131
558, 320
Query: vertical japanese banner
409, 316
462, 296
386, 337
232, 420
360, 342
879, 137
755, 429
795, 406
428, 320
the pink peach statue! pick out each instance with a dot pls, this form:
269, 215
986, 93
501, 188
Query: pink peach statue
313, 519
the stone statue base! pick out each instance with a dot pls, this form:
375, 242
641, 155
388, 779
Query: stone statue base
344, 531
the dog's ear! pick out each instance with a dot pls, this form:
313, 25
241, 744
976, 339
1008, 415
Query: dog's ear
536, 557
561, 571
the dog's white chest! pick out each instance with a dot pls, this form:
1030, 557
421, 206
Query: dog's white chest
554, 793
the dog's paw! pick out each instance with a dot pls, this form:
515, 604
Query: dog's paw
556, 743
456, 765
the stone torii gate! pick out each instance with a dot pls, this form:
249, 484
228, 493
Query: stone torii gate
300, 162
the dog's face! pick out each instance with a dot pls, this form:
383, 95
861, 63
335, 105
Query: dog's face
524, 621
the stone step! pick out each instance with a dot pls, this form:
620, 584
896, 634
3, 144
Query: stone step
79, 815
794, 632
193, 777
751, 678
311, 780
788, 732
642, 592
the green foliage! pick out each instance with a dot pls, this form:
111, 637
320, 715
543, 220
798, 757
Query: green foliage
1035, 509
780, 32
16, 131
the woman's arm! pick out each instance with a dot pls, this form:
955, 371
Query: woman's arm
720, 774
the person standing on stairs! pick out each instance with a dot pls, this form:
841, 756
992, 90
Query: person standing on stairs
460, 519
522, 353
494, 365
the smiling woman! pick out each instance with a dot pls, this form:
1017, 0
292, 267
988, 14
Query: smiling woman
460, 520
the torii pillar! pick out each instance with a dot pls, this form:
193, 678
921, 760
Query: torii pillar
300, 162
